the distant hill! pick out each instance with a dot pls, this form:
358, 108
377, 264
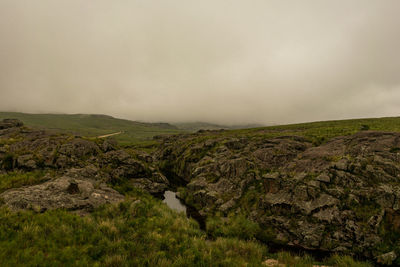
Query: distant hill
195, 126
92, 125
129, 132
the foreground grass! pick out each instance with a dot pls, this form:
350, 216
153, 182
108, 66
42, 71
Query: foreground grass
307, 261
17, 179
140, 231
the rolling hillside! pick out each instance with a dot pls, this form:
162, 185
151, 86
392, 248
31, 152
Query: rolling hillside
321, 131
132, 132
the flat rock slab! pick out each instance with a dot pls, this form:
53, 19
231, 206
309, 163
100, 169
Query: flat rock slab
82, 195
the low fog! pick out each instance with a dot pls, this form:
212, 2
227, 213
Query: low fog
218, 61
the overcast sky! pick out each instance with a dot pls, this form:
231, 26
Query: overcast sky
222, 61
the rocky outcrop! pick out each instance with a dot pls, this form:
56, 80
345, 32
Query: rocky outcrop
81, 195
10, 123
23, 149
340, 196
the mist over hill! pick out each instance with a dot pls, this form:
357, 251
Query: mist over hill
129, 132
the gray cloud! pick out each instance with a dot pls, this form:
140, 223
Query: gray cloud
219, 61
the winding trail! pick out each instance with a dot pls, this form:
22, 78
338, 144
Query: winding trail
108, 135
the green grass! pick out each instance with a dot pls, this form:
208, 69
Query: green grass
140, 231
137, 133
17, 179
318, 132
232, 226
293, 260
95, 125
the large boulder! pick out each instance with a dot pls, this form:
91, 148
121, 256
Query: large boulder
82, 195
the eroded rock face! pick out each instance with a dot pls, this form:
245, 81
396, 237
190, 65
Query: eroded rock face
333, 197
73, 194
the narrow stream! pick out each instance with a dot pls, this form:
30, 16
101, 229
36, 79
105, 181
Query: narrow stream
173, 202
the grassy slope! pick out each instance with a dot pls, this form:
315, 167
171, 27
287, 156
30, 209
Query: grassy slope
94, 125
319, 132
137, 132
195, 126
141, 231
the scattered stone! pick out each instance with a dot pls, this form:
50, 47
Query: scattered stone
273, 263
323, 178
109, 144
149, 186
26, 162
387, 258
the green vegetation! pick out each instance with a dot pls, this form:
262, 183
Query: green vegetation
305, 261
132, 132
195, 126
17, 179
140, 231
319, 132
138, 133
390, 234
232, 226
348, 261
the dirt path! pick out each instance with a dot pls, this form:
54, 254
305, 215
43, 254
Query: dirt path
108, 135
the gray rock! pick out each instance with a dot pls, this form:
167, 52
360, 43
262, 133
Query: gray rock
341, 165
109, 144
79, 148
227, 206
314, 183
149, 186
327, 215
323, 178
387, 258
27, 162
64, 192
10, 123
